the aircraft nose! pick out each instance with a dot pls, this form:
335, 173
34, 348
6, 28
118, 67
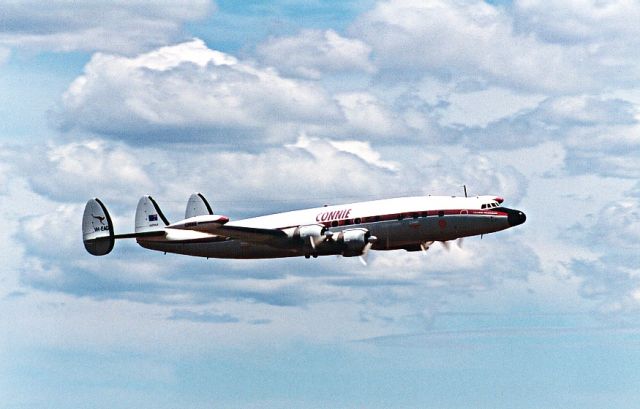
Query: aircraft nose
516, 217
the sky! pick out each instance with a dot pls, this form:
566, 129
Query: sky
266, 107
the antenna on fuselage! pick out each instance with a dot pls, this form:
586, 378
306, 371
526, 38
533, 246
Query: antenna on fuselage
465, 190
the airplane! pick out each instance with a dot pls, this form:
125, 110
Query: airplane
350, 230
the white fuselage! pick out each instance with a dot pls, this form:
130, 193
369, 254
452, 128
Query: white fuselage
400, 223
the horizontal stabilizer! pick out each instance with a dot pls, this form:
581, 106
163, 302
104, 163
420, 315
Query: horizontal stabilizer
97, 228
197, 206
204, 223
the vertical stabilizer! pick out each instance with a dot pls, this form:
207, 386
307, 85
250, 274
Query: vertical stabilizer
197, 206
149, 217
97, 228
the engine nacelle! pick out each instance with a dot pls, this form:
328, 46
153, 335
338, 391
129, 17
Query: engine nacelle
315, 231
353, 241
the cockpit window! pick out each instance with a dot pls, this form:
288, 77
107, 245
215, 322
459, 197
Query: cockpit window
489, 205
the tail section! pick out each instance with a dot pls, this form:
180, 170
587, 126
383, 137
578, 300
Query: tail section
149, 217
197, 206
97, 228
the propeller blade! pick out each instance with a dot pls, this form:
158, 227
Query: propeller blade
460, 241
424, 246
365, 252
312, 242
446, 245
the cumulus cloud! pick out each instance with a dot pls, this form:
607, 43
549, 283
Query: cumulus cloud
83, 169
367, 115
468, 38
188, 91
607, 151
612, 277
113, 26
314, 53
573, 120
580, 21
617, 226
569, 47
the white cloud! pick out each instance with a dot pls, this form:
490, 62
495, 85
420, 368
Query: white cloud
113, 25
610, 274
580, 21
367, 115
467, 38
314, 53
478, 108
187, 92
364, 151
579, 122
84, 169
577, 46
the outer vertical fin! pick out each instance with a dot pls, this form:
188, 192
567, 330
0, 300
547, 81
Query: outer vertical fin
197, 206
149, 217
97, 228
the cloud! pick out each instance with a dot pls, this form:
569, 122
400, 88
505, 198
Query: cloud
314, 54
367, 115
617, 225
466, 39
611, 277
209, 317
572, 47
111, 26
582, 21
616, 287
66, 172
576, 121
188, 92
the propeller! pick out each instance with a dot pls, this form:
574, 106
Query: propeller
424, 246
365, 251
447, 244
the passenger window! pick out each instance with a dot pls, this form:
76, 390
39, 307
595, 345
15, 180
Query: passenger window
334, 223
357, 220
440, 213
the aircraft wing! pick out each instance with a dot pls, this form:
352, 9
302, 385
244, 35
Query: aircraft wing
251, 234
216, 225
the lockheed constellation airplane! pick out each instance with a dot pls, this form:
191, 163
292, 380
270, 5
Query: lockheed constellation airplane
409, 223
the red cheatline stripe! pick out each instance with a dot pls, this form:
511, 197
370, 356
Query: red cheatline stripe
409, 215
